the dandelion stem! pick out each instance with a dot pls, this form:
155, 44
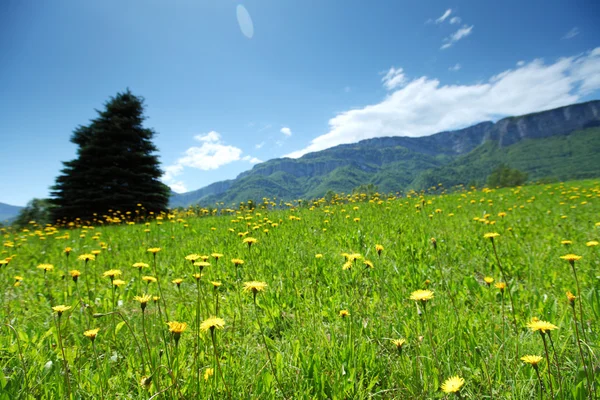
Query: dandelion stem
503, 324
148, 348
21, 357
548, 359
556, 362
99, 369
197, 337
214, 340
537, 371
159, 288
429, 331
65, 364
267, 349
580, 301
583, 360
512, 304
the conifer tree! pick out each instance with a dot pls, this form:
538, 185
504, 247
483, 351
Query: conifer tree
116, 166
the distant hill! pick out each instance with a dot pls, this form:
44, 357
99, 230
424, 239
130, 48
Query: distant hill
8, 212
562, 143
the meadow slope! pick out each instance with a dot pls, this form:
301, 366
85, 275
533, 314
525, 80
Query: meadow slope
331, 320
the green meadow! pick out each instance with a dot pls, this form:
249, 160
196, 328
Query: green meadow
356, 297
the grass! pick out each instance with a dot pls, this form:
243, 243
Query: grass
290, 339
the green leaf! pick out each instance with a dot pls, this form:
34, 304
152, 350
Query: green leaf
119, 326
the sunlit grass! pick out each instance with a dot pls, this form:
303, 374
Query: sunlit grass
381, 297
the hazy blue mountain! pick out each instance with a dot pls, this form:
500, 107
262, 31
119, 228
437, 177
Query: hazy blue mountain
8, 212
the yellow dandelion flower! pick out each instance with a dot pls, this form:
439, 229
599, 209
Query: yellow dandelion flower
566, 242
112, 273
149, 279
86, 257
542, 326
177, 281
399, 343
532, 360
61, 309
489, 280
46, 267
212, 323
119, 282
491, 235
68, 250
144, 299
201, 264
192, 257
250, 241
154, 250
255, 287
354, 257
75, 274
177, 327
421, 295
592, 243
453, 384
318, 255
368, 264
216, 256
216, 284
92, 333
237, 261
208, 372
571, 257
344, 313
140, 265
501, 286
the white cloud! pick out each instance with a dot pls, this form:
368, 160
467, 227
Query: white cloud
212, 154
455, 20
210, 137
456, 36
424, 106
572, 33
178, 187
286, 131
393, 78
455, 67
520, 63
252, 160
444, 16
259, 145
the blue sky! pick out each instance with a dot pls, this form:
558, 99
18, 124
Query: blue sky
228, 83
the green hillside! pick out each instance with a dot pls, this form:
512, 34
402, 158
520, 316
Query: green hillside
574, 156
561, 144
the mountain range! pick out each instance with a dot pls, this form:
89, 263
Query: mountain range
558, 144
8, 212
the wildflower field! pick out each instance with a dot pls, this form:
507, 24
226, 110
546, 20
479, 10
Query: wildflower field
475, 294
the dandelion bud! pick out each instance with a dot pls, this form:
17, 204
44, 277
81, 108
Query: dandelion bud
571, 297
145, 382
